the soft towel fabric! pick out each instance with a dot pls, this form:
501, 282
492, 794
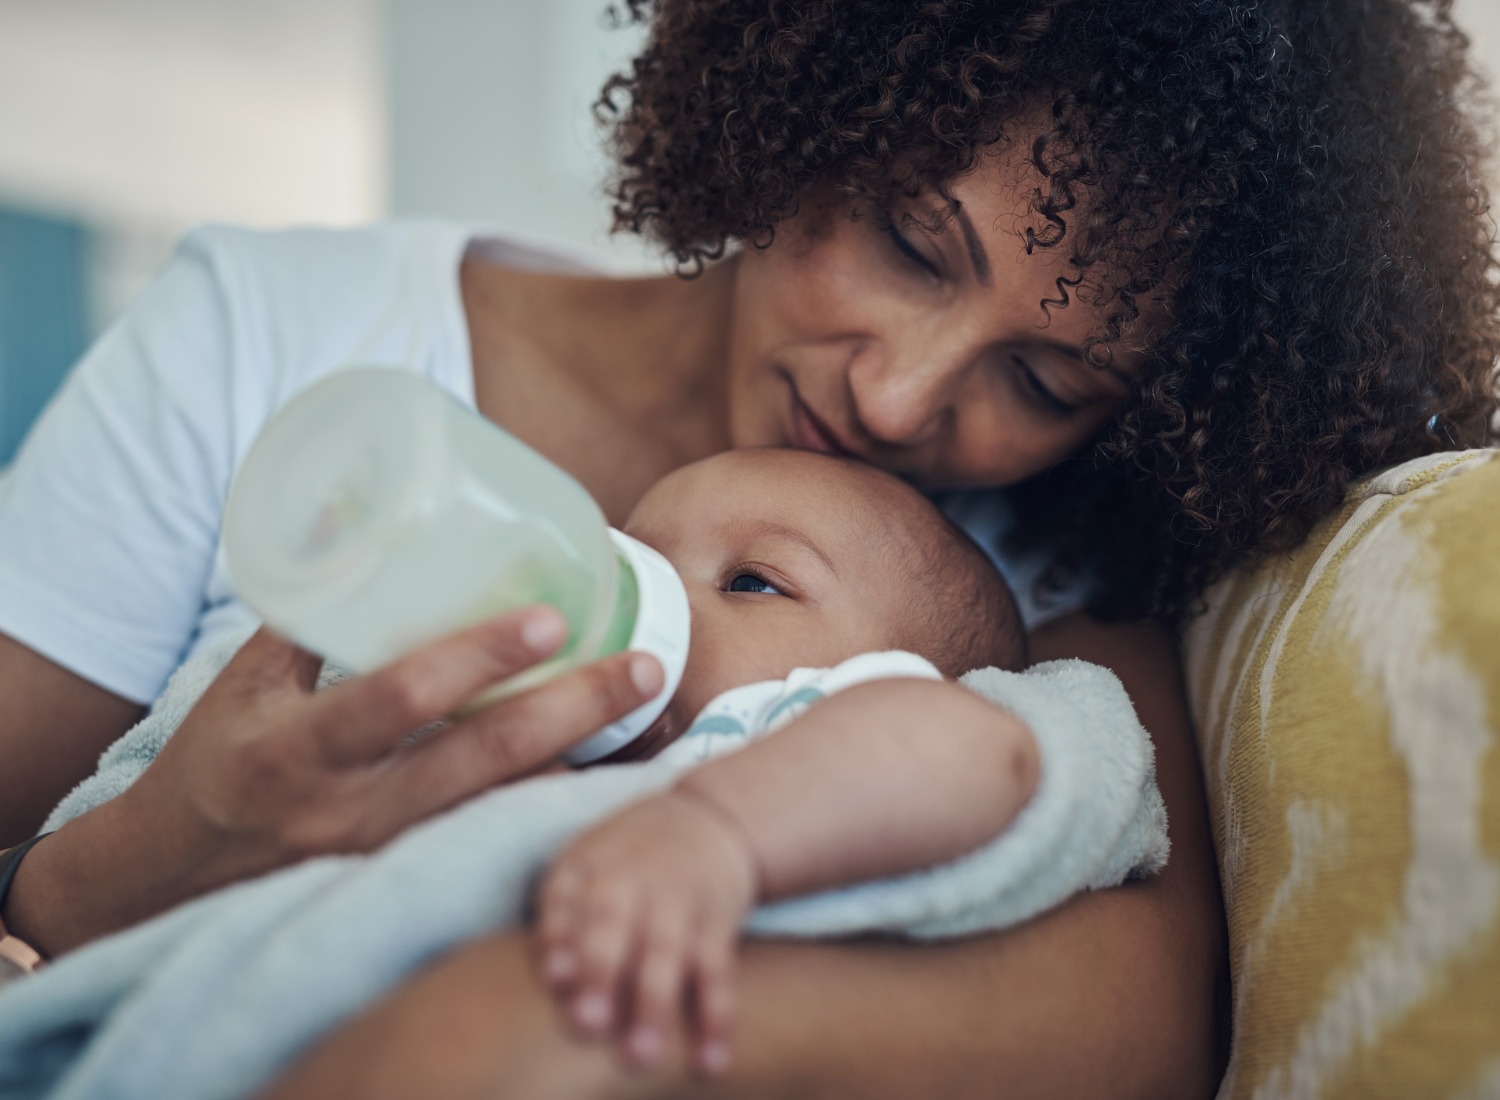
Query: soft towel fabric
211, 999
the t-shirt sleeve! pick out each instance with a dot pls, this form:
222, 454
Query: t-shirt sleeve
109, 518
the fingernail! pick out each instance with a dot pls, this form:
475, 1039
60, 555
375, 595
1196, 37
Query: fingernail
713, 1057
561, 965
645, 674
544, 631
645, 1044
592, 1011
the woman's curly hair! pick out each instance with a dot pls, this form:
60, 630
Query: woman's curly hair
1298, 181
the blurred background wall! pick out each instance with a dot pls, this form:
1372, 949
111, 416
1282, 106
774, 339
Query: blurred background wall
126, 122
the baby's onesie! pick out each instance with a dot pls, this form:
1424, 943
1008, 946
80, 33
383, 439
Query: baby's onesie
743, 714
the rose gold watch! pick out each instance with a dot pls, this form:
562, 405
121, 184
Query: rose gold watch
17, 957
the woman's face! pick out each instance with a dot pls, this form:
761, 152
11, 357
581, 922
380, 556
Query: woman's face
926, 352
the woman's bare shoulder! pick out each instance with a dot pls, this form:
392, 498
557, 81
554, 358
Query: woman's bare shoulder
1143, 655
1079, 634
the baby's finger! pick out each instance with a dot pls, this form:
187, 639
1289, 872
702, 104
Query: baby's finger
606, 938
557, 924
657, 1001
713, 1004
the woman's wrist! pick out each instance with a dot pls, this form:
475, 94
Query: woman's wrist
96, 875
27, 910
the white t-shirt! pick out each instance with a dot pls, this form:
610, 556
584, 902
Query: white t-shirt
110, 562
109, 520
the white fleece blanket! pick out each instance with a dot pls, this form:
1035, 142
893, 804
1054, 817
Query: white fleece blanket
212, 999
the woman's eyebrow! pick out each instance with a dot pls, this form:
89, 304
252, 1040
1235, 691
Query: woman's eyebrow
977, 255
1072, 351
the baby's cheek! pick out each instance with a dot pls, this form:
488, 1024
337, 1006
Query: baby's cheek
731, 647
708, 672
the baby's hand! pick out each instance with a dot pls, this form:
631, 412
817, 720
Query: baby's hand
638, 920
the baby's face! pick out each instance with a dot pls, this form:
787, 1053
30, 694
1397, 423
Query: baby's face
788, 562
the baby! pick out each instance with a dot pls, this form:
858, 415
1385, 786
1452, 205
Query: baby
801, 561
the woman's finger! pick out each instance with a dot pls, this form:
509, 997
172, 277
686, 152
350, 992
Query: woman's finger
517, 735
269, 661
365, 718
554, 716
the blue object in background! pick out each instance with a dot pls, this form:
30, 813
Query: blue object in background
43, 314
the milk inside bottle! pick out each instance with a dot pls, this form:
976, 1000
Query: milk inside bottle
375, 513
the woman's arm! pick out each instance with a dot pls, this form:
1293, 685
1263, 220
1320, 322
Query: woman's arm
1112, 994
53, 727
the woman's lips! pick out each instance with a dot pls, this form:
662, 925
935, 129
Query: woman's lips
812, 434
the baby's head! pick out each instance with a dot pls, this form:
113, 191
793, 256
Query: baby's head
795, 560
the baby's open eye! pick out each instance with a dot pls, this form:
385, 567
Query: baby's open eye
750, 582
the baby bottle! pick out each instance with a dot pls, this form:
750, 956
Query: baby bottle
375, 513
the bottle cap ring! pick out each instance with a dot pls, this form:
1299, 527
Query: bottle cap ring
662, 629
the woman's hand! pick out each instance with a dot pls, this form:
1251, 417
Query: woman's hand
264, 772
638, 921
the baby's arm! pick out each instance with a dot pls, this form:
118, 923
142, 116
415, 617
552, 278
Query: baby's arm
646, 908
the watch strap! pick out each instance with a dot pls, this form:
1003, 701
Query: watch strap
10, 862
17, 957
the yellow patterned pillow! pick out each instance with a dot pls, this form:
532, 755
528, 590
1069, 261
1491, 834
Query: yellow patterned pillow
1347, 698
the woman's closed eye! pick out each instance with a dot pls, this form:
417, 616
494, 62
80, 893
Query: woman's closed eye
907, 251
1038, 391
744, 580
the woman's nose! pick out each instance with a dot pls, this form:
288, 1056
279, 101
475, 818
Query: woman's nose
902, 400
